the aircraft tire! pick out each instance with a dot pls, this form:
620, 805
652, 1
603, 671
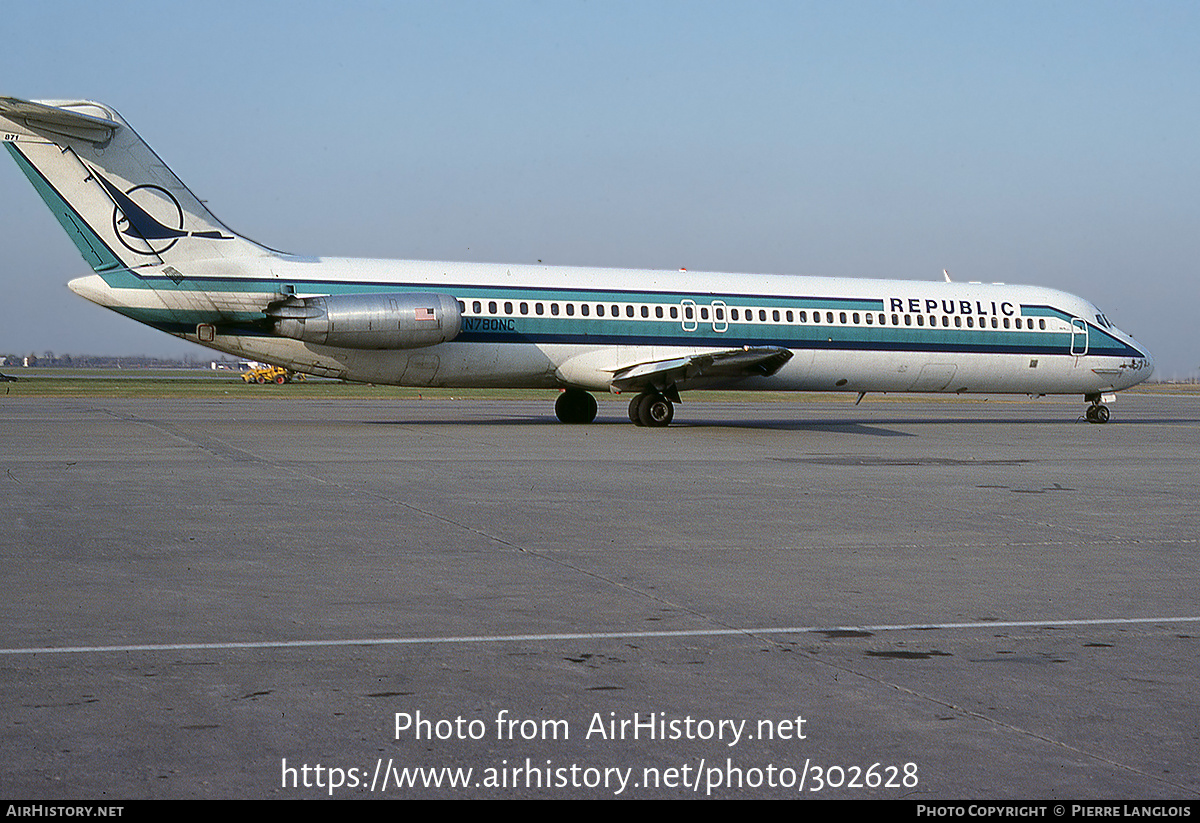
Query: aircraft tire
635, 406
1098, 414
575, 406
656, 411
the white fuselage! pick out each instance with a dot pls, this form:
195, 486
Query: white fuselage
545, 326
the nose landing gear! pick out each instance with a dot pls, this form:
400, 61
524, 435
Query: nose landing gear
1097, 412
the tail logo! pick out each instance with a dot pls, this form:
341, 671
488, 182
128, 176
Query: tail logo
148, 220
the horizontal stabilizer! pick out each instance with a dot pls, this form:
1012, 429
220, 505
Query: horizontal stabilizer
761, 361
61, 121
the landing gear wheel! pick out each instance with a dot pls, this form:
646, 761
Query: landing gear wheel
1097, 414
575, 406
634, 410
655, 411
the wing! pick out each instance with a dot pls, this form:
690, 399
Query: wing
760, 361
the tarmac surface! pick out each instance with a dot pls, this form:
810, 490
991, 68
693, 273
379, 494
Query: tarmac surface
275, 597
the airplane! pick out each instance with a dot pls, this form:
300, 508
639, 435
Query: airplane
162, 258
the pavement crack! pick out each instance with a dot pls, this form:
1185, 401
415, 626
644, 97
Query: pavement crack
966, 712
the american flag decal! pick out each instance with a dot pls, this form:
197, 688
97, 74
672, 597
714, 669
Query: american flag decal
425, 314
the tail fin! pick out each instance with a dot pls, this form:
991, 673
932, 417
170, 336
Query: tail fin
119, 203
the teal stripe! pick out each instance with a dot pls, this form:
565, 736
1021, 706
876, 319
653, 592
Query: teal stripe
1045, 311
646, 332
638, 330
94, 250
500, 294
535, 325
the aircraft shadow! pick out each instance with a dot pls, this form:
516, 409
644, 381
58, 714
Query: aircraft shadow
843, 426
888, 427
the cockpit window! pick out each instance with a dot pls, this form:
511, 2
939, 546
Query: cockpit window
1102, 320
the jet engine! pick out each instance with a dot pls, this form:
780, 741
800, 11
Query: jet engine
402, 320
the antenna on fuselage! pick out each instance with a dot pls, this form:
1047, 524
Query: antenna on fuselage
946, 275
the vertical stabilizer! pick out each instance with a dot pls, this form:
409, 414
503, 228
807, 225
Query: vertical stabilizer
119, 203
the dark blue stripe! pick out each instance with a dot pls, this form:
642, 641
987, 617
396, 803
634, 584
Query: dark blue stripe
723, 341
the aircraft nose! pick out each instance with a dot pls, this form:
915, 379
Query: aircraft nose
1143, 365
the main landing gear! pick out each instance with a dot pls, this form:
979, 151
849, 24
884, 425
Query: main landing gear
1097, 412
651, 409
575, 406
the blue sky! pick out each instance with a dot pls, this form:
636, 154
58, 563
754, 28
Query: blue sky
1046, 143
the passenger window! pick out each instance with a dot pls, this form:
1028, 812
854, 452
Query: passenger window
524, 308
508, 308
842, 318
491, 307
570, 310
658, 312
674, 312
554, 309
537, 307
476, 307
584, 309
789, 317
870, 318
803, 317
775, 315
762, 315
599, 310
646, 311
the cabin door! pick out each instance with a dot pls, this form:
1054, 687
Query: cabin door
1079, 337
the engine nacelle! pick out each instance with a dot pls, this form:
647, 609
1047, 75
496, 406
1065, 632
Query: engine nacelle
402, 320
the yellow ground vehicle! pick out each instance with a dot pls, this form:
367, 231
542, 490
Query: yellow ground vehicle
272, 374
